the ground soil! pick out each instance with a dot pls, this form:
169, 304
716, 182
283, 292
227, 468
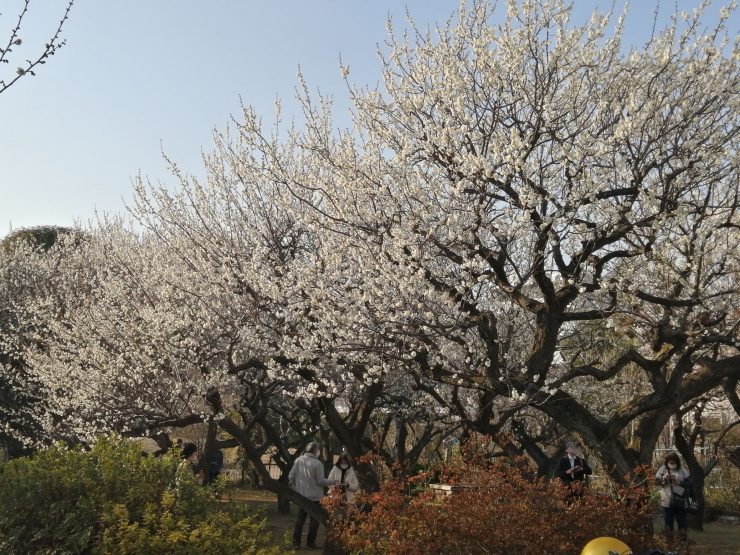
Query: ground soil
281, 526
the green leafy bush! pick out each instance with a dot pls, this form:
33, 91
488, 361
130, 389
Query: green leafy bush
165, 530
724, 498
112, 500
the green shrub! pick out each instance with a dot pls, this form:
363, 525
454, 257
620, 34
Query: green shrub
724, 498
109, 498
164, 530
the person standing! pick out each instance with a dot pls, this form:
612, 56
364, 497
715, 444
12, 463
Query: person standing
672, 479
573, 469
307, 478
343, 473
215, 465
188, 464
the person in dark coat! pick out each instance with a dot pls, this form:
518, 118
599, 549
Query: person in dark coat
215, 465
188, 467
573, 469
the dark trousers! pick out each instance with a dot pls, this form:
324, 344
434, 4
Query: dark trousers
313, 527
669, 513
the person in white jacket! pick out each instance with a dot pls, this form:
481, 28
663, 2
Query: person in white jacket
307, 478
343, 473
672, 479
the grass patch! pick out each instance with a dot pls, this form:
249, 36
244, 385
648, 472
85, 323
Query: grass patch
717, 539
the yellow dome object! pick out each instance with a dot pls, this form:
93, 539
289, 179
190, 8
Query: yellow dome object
606, 546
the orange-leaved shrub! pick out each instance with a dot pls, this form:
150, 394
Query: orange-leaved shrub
498, 507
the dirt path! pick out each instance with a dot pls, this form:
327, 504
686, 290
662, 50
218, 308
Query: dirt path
280, 526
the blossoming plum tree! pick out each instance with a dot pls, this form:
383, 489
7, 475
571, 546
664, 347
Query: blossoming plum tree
513, 184
184, 322
26, 266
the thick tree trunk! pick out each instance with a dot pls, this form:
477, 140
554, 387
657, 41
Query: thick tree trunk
279, 487
696, 522
283, 503
686, 448
209, 450
367, 477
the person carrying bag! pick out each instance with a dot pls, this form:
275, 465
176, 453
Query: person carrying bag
674, 482
685, 501
343, 473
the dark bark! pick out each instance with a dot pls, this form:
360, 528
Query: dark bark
686, 448
209, 450
280, 488
283, 502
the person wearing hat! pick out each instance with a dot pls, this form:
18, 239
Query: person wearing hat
307, 478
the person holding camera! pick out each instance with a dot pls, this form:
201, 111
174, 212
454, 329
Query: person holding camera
572, 469
343, 473
673, 480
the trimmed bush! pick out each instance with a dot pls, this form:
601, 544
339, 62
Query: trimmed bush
164, 531
112, 500
502, 508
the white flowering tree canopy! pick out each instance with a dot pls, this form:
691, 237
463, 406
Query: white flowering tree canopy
511, 189
508, 187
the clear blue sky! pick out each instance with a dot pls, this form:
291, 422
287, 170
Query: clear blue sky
138, 74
